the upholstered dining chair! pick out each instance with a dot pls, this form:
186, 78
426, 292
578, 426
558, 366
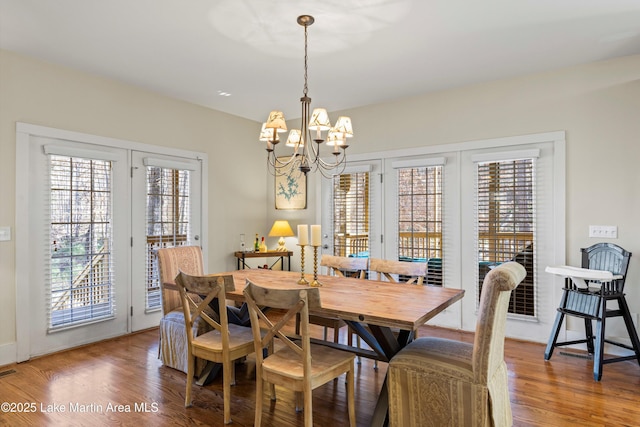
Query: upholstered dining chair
225, 343
299, 366
442, 382
172, 348
395, 271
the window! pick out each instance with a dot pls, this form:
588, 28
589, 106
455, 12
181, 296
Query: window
351, 214
419, 195
505, 218
168, 220
80, 224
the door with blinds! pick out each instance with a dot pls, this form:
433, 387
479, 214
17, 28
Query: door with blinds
511, 219
91, 212
79, 222
166, 213
352, 211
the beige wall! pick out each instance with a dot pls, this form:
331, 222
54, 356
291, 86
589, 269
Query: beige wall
598, 106
44, 94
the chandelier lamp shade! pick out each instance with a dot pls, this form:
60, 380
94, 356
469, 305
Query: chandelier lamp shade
315, 129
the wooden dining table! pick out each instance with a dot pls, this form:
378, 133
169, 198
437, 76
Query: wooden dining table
373, 309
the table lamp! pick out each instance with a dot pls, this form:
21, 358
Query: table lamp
281, 229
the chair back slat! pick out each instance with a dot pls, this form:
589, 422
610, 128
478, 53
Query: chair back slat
192, 288
339, 264
607, 257
392, 270
295, 301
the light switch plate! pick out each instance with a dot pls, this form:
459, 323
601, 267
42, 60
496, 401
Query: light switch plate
603, 231
5, 234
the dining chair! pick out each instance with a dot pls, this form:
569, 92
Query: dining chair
591, 300
172, 348
338, 266
225, 343
398, 271
299, 366
438, 382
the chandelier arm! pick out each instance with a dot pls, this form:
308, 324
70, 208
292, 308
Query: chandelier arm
339, 159
280, 168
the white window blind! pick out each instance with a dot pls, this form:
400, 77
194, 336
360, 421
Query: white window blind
168, 220
351, 214
419, 213
505, 218
80, 270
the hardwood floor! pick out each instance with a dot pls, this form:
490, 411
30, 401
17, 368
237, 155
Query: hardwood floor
126, 372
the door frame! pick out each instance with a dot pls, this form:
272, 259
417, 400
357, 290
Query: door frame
24, 132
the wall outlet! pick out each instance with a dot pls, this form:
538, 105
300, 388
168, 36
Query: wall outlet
603, 231
5, 233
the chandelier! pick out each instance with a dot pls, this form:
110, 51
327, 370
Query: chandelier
306, 155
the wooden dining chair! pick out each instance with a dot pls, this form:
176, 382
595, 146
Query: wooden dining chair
172, 348
443, 382
398, 271
225, 343
299, 366
338, 266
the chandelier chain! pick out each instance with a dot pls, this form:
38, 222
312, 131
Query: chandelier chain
306, 89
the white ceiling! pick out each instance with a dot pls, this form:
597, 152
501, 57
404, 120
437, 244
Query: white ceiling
360, 51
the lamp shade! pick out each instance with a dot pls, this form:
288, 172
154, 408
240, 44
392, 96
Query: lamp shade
319, 120
343, 125
335, 138
267, 134
276, 121
294, 139
281, 228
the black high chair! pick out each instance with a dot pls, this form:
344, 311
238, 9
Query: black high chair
588, 294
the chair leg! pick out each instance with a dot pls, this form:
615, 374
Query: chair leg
336, 334
190, 372
631, 329
553, 338
227, 374
259, 398
308, 406
351, 395
299, 402
588, 330
598, 354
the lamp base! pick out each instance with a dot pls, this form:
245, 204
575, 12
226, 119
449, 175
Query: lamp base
281, 247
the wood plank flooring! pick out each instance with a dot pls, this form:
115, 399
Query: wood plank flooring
121, 382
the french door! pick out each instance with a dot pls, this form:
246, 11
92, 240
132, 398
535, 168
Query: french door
91, 216
166, 212
352, 211
78, 280
463, 209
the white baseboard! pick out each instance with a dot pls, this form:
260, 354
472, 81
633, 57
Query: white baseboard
7, 354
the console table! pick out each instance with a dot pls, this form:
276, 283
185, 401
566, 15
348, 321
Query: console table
242, 257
